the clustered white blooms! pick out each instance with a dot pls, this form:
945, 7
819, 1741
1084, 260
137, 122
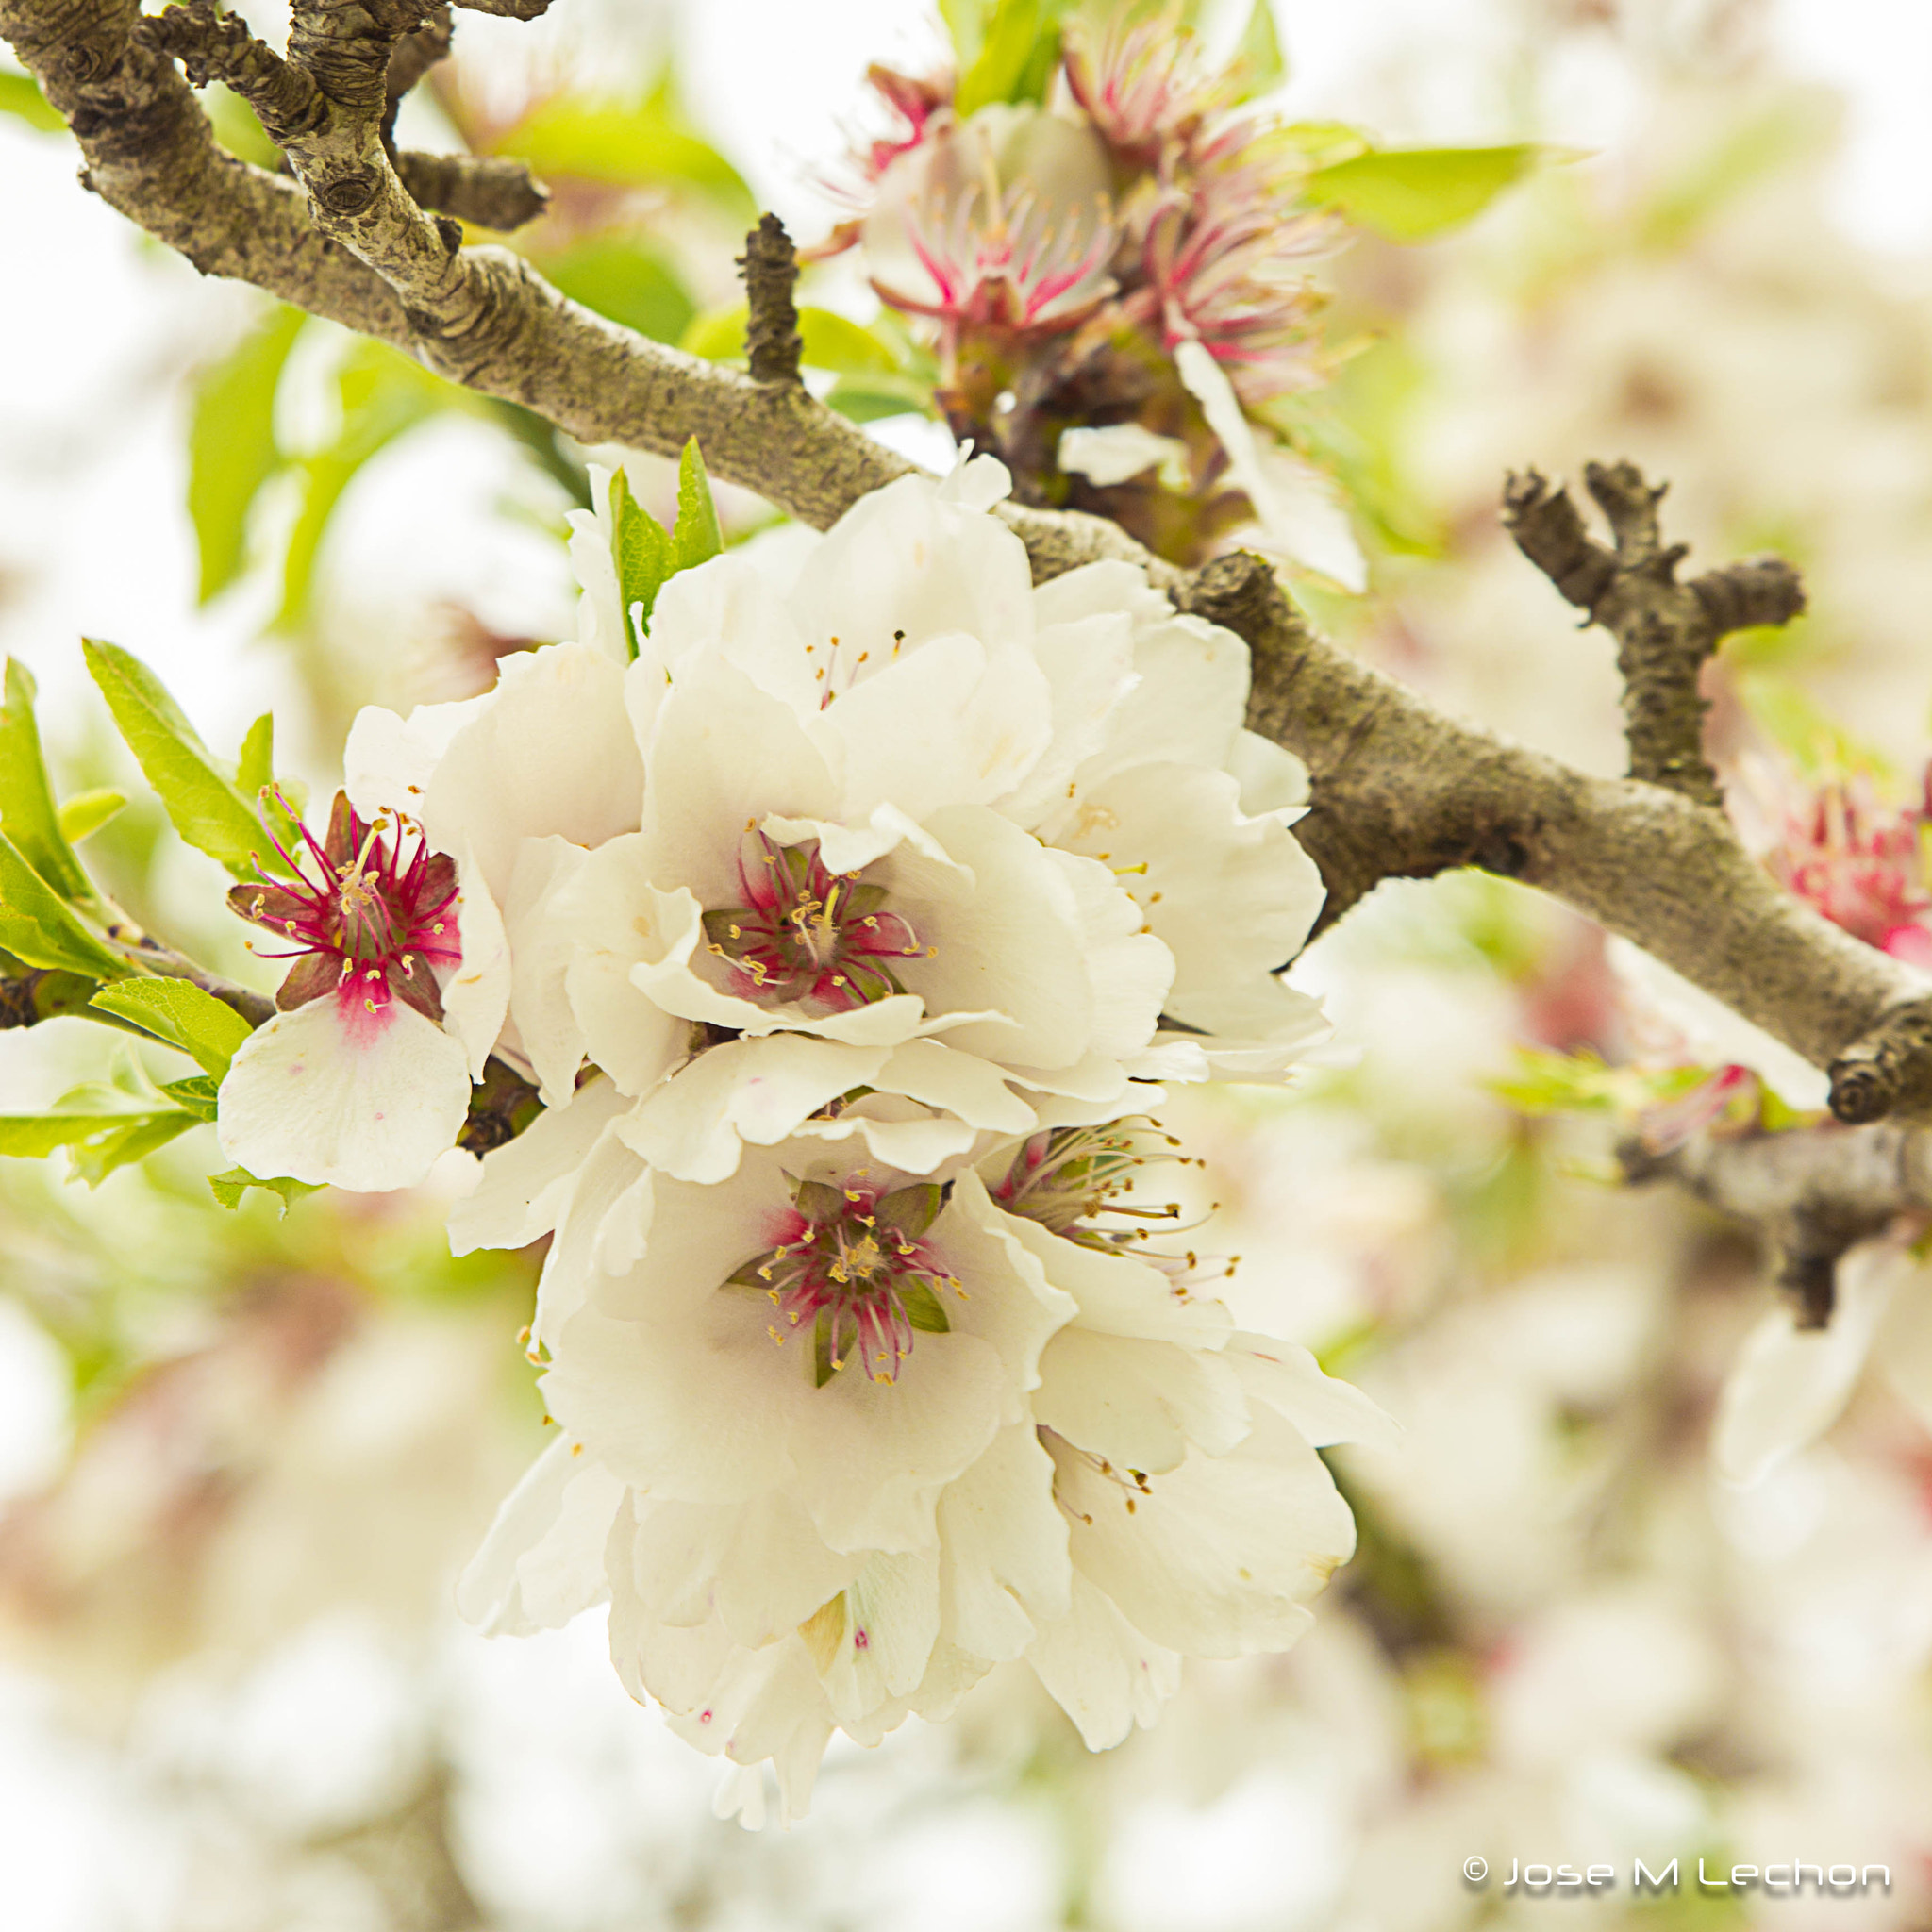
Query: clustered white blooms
847, 931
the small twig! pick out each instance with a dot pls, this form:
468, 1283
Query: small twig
1812, 1192
1890, 1070
213, 45
769, 267
1665, 630
491, 191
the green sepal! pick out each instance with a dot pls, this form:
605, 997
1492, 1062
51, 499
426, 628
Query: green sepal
41, 929
200, 798
229, 1188
182, 1014
909, 1211
1018, 55
824, 1367
923, 1307
818, 1201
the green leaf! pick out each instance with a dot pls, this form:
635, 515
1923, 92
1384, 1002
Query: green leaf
86, 812
1412, 194
1259, 58
19, 95
697, 538
1017, 56
628, 282
642, 143
229, 1188
256, 767
183, 1015
1808, 736
642, 551
383, 394
200, 798
237, 127
831, 341
199, 1094
869, 400
98, 1141
231, 445
41, 929
26, 801
95, 1159
966, 22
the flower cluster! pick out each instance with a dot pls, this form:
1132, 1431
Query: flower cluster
1119, 283
846, 933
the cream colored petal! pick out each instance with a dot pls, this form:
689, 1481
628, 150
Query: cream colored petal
337, 1096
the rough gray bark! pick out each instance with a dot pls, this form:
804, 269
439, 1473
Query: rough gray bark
1812, 1194
1399, 788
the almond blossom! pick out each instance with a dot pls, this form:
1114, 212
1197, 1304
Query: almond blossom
911, 826
837, 1440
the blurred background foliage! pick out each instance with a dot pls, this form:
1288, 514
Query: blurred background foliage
243, 1454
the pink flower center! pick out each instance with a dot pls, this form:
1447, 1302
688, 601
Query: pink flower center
369, 917
806, 935
853, 1271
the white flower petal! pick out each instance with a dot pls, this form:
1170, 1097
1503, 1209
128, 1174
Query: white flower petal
541, 954
1004, 1564
1141, 1404
334, 1095
542, 1560
1101, 1671
693, 1125
758, 1566
1118, 453
1791, 1384
475, 995
552, 753
526, 1183
1322, 1409
388, 762
1218, 1558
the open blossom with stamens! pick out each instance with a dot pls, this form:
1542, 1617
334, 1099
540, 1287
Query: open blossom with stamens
837, 1439
1859, 863
914, 827
1000, 221
1143, 82
354, 1080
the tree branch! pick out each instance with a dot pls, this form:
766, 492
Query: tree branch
1665, 630
1812, 1192
1400, 789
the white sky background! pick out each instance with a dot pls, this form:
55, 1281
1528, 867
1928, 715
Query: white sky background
93, 536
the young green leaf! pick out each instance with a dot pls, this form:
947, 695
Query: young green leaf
1258, 59
98, 1141
26, 801
199, 1094
1017, 56
41, 929
20, 94
231, 445
641, 552
383, 394
86, 812
180, 1013
697, 537
202, 800
628, 282
1413, 195
229, 1188
642, 143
